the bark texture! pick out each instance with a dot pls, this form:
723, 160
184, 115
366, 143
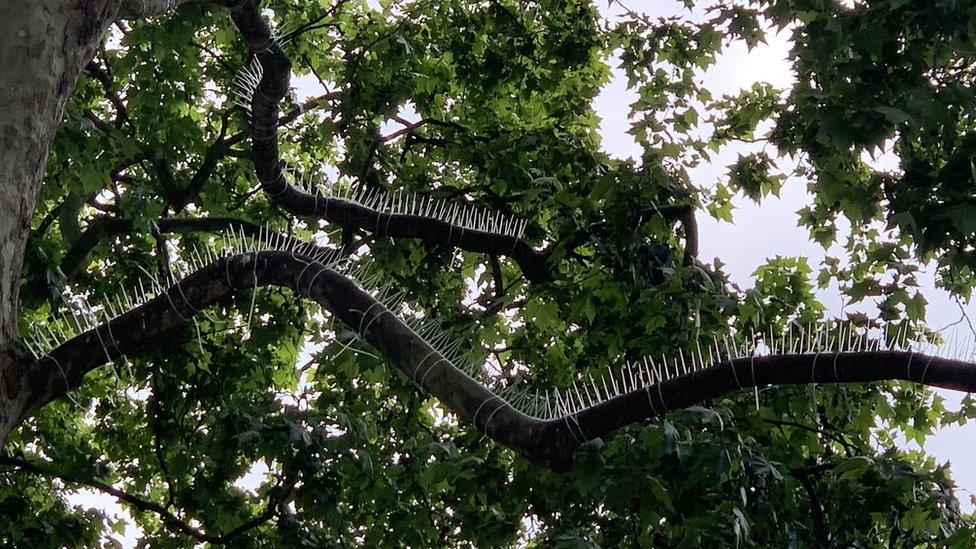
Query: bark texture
43, 46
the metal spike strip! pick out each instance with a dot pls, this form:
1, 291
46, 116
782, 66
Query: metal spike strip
246, 83
440, 338
587, 391
584, 392
466, 217
72, 321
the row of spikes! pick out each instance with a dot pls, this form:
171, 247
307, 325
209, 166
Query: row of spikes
550, 404
545, 405
399, 202
467, 217
441, 339
245, 84
587, 391
81, 316
246, 80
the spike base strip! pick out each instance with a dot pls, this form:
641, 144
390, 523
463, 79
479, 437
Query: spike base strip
273, 87
787, 369
534, 264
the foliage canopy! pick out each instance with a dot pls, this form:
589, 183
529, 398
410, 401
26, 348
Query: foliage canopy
491, 102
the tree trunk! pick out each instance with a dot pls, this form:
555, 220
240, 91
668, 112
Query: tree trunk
43, 46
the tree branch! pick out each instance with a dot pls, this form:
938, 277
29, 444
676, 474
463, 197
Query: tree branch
820, 532
105, 227
169, 519
121, 111
684, 214
548, 443
273, 87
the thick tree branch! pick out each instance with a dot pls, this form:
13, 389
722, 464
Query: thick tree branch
549, 443
64, 368
273, 87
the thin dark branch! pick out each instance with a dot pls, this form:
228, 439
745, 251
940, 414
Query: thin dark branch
100, 74
820, 531
848, 447
48, 219
410, 127
105, 227
496, 275
169, 519
684, 214
214, 55
309, 105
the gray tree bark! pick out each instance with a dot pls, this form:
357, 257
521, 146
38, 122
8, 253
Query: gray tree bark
43, 46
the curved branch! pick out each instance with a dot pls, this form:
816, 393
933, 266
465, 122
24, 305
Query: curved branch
104, 227
265, 118
548, 443
534, 264
64, 368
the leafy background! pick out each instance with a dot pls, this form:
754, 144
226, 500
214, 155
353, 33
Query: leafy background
359, 456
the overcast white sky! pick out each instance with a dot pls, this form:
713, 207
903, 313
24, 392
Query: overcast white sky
758, 232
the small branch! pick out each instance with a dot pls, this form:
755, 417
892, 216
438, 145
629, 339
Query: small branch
496, 275
684, 214
105, 227
213, 55
168, 518
307, 106
848, 447
121, 111
48, 219
409, 127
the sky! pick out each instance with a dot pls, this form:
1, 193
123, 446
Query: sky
758, 232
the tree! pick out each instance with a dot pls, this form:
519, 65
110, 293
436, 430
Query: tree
452, 153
